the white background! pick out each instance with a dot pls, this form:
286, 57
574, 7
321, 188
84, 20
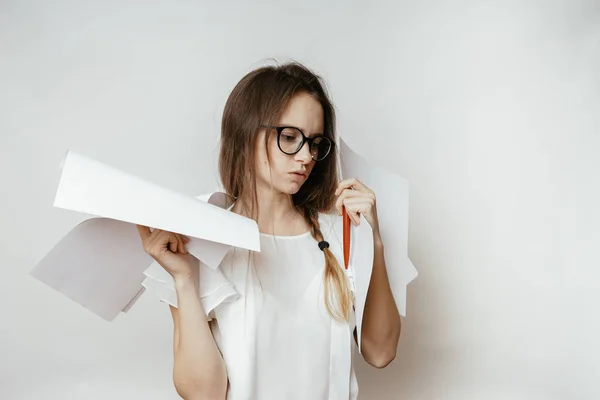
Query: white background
490, 109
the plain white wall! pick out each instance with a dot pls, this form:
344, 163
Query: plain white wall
490, 109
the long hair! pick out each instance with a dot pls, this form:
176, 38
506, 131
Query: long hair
259, 99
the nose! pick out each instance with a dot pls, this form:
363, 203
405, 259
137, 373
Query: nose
304, 155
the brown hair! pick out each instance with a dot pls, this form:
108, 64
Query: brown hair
259, 99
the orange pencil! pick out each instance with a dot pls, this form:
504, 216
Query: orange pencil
346, 234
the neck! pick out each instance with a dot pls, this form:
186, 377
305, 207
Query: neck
276, 213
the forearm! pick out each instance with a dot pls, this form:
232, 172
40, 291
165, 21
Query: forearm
381, 321
199, 371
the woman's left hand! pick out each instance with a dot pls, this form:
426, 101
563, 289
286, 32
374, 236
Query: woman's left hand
358, 200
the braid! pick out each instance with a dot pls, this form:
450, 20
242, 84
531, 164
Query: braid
334, 276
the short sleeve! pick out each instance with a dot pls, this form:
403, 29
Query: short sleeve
214, 288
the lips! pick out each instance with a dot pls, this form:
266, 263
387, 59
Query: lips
299, 173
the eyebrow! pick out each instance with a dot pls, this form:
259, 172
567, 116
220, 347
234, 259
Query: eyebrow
302, 130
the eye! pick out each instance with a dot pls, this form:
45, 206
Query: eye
290, 135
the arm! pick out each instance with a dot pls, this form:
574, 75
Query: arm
199, 370
381, 320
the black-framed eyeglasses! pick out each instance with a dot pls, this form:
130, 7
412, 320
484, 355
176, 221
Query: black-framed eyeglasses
291, 139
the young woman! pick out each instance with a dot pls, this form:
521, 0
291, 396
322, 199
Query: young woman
279, 323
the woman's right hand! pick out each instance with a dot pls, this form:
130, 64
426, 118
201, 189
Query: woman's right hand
168, 249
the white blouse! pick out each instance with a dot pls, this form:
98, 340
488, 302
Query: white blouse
269, 320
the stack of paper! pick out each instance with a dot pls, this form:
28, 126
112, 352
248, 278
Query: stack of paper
100, 263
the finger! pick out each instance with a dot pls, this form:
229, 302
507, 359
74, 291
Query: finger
185, 239
157, 238
357, 193
152, 245
339, 204
144, 231
349, 193
156, 233
366, 203
161, 241
342, 194
173, 243
180, 244
345, 184
355, 208
354, 215
351, 183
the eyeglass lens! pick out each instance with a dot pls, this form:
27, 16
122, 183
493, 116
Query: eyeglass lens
291, 140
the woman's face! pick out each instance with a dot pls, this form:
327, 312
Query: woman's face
287, 173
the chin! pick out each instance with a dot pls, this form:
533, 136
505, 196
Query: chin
292, 190
289, 187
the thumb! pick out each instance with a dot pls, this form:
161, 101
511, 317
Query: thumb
144, 231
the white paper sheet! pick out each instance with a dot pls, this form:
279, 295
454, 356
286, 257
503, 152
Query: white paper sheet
392, 209
100, 263
91, 187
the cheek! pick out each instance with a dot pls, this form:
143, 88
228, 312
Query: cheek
263, 169
277, 162
280, 164
264, 154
